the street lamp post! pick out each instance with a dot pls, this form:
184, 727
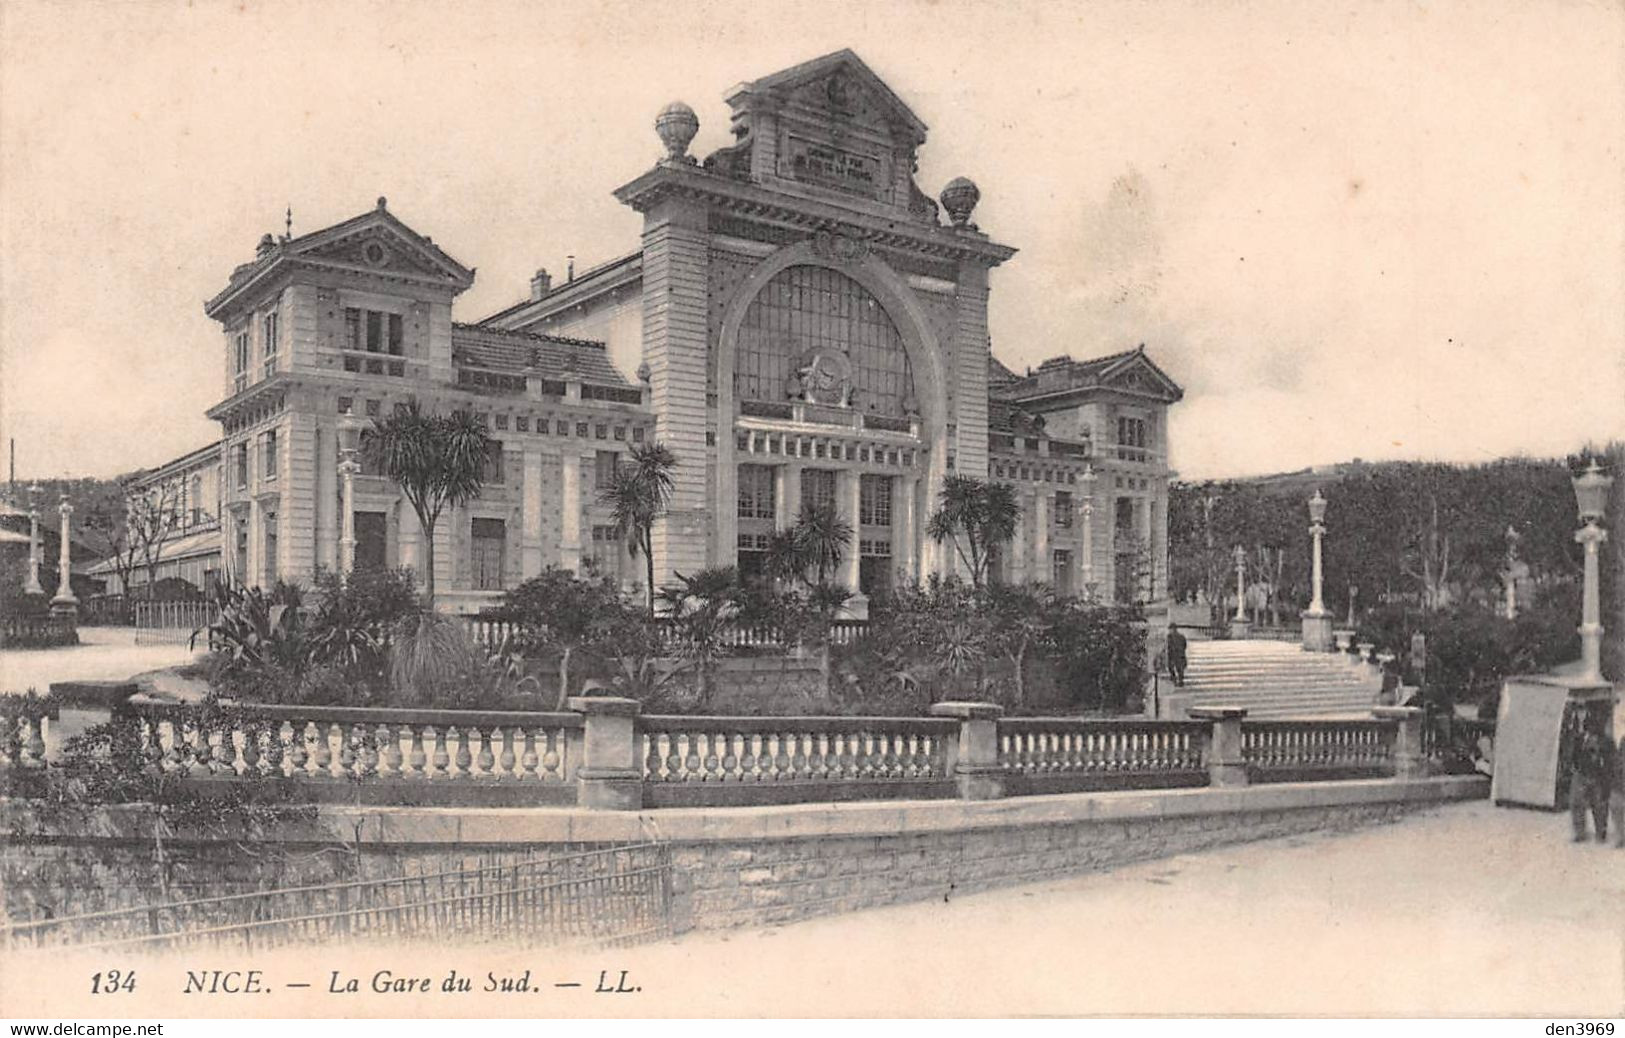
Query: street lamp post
1239, 628
1089, 529
65, 600
1317, 622
32, 585
1591, 491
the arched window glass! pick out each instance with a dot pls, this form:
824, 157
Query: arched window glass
816, 327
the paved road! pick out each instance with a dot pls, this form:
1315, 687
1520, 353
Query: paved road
1465, 910
104, 653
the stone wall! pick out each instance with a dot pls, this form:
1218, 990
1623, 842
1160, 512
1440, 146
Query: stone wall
732, 867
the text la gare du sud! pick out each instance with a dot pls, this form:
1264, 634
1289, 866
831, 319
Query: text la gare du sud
389, 982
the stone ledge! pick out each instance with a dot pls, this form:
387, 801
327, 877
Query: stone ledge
399, 825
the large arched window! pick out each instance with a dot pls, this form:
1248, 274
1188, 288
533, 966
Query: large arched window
815, 331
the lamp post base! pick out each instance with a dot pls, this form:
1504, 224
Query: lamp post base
1317, 630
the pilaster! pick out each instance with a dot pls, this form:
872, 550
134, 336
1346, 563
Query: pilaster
969, 370
675, 345
570, 513
530, 510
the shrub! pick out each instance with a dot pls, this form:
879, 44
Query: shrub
351, 628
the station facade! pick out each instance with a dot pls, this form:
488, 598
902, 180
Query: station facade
801, 324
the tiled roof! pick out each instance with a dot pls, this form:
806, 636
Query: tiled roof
997, 373
1061, 373
492, 349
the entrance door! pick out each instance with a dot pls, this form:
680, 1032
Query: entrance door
370, 541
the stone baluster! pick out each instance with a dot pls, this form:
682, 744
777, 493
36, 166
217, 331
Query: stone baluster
465, 758
507, 758
486, 760
441, 760
1226, 763
977, 772
416, 758
528, 760
391, 763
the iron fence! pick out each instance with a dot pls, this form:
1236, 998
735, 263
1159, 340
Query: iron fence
608, 896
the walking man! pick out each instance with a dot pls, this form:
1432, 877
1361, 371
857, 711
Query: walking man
1594, 770
1176, 655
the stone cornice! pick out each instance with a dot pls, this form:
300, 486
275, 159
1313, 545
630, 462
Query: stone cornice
679, 180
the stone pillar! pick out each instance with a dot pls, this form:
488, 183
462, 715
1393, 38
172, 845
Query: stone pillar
326, 503
1409, 760
64, 586
676, 338
977, 772
1015, 563
1226, 765
530, 515
570, 513
611, 775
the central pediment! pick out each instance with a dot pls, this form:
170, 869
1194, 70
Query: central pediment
832, 127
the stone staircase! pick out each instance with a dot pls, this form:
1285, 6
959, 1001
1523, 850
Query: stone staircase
1277, 679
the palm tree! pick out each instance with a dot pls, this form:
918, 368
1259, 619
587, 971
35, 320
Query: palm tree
822, 539
637, 496
437, 460
978, 517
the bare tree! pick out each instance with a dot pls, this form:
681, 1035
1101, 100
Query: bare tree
151, 516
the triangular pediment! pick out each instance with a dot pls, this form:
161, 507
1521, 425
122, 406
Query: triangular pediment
837, 87
1135, 373
378, 242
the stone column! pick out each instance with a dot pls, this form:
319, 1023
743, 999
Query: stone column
570, 513
858, 603
1226, 764
611, 775
1088, 552
1409, 760
905, 547
64, 587
1015, 568
1239, 627
347, 473
1592, 537
1042, 568
32, 585
977, 771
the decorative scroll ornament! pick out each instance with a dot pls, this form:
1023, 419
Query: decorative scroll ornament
822, 377
839, 248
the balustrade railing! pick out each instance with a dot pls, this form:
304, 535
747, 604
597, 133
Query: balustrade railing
367, 754
1285, 751
1063, 754
604, 753
717, 760
492, 633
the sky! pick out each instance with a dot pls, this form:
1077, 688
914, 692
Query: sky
1374, 229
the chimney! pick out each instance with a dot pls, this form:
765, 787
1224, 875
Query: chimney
267, 243
540, 284
570, 269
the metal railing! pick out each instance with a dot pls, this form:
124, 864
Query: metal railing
171, 623
612, 896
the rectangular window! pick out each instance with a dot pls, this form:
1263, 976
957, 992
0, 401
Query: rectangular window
375, 331
756, 499
270, 566
1131, 432
396, 335
817, 489
494, 473
1063, 509
268, 471
240, 363
604, 472
489, 539
1062, 581
242, 466
874, 500
271, 344
352, 328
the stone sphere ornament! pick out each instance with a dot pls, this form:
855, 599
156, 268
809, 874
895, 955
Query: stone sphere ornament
677, 124
959, 198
